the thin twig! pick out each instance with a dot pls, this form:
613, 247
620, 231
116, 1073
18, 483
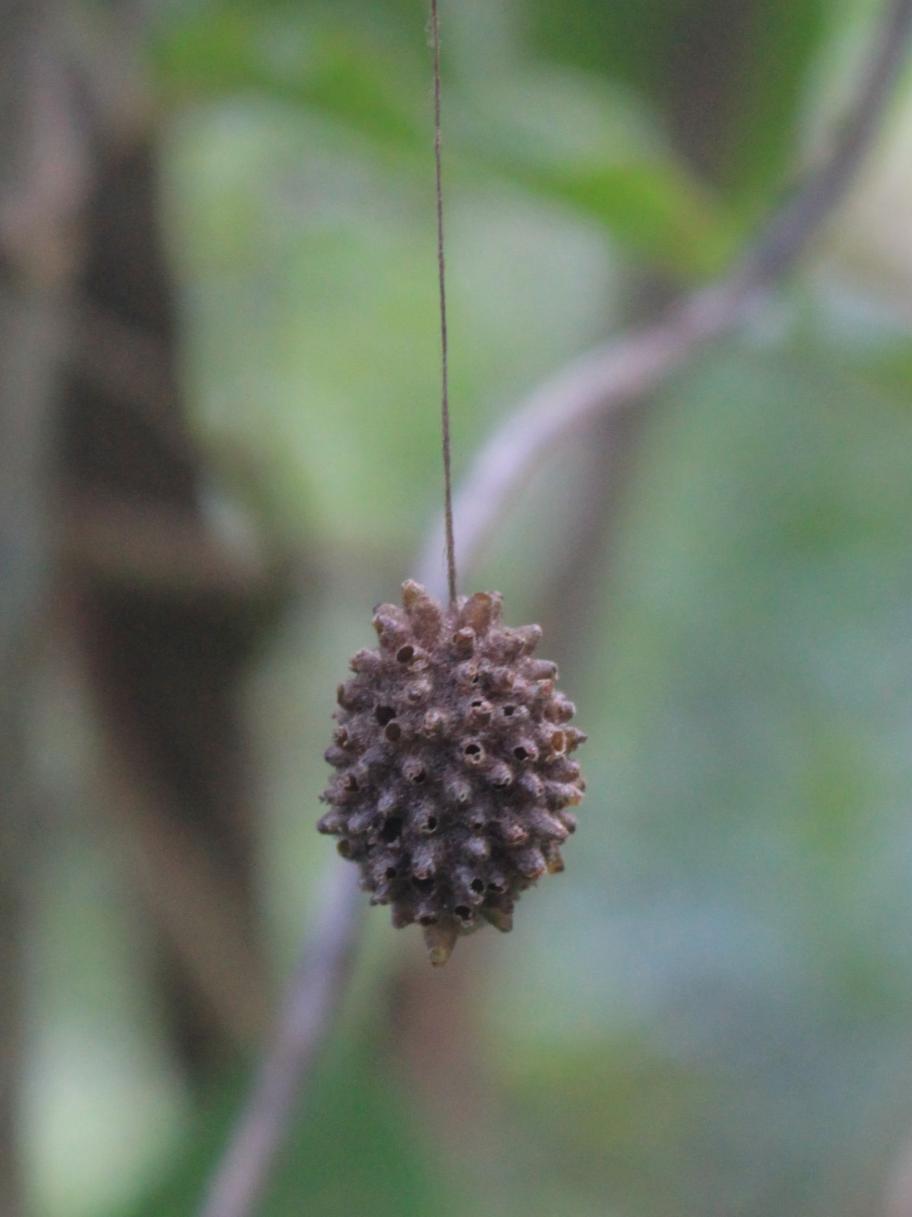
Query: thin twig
449, 538
190, 897
309, 1015
112, 539
621, 371
597, 383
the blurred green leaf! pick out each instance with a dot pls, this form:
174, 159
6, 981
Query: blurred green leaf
285, 54
565, 137
568, 137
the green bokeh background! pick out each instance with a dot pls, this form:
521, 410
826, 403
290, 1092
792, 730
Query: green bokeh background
711, 1011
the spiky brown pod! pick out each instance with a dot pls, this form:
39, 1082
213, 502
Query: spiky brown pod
452, 778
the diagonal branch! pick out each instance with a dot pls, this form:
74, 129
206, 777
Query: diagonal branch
595, 384
314, 997
615, 374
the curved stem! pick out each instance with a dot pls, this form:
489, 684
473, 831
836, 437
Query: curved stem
309, 1014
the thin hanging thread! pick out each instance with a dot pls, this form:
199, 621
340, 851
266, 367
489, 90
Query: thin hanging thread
444, 351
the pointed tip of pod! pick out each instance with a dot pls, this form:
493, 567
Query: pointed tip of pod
500, 919
440, 940
424, 613
412, 592
481, 611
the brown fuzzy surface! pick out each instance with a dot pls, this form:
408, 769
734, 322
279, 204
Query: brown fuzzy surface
453, 779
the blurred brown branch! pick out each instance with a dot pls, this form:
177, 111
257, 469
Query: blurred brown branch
157, 547
616, 374
165, 606
104, 519
43, 167
190, 897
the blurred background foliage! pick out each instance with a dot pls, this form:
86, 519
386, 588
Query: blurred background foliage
709, 1013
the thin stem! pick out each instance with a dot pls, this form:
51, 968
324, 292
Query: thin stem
444, 345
